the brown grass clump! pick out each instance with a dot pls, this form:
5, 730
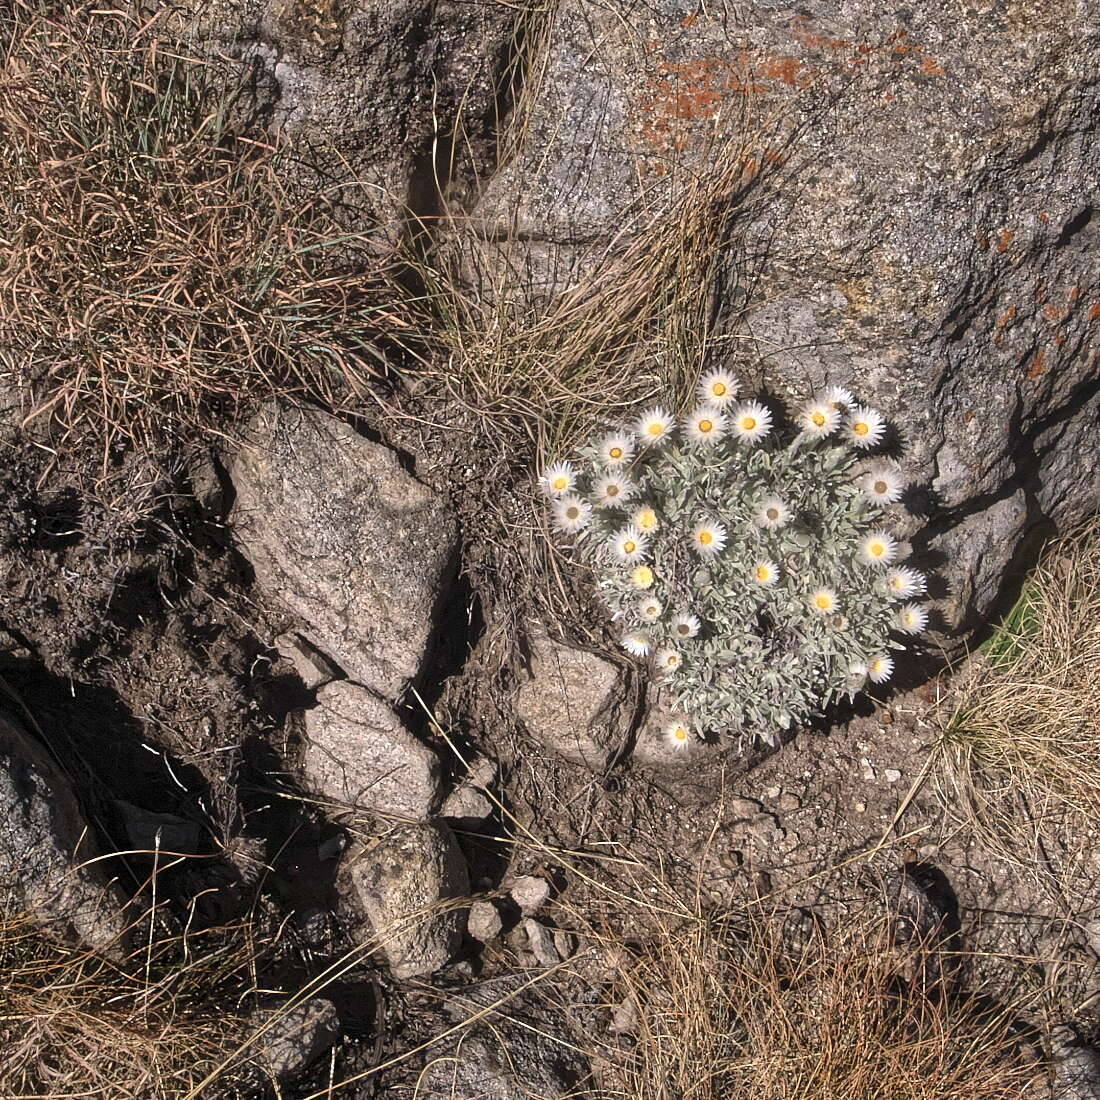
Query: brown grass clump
154, 272
1021, 742
75, 1024
634, 324
738, 1013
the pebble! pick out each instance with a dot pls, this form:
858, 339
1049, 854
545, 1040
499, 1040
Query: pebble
529, 892
892, 775
484, 922
542, 943
860, 807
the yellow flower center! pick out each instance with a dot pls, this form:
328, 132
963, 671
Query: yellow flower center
705, 538
861, 428
880, 487
672, 660
823, 601
718, 389
561, 482
877, 549
612, 490
680, 734
748, 423
773, 515
616, 452
646, 519
655, 428
629, 546
763, 573
818, 418
572, 512
706, 425
642, 576
683, 630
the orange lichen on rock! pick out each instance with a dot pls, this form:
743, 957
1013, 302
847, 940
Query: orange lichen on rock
680, 97
1094, 311
787, 70
1006, 317
1004, 240
1038, 365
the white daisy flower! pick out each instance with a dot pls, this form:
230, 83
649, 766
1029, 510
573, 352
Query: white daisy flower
705, 426
649, 609
667, 660
678, 735
912, 618
654, 426
558, 479
823, 601
904, 582
629, 545
882, 485
819, 419
772, 514
636, 644
615, 449
765, 573
837, 397
641, 576
685, 625
864, 427
708, 538
751, 421
857, 673
645, 519
718, 388
571, 514
613, 491
880, 668
878, 548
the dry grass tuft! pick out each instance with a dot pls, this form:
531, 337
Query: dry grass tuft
733, 1013
154, 272
636, 324
75, 1024
1021, 743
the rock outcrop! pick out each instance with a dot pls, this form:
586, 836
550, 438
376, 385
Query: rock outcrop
289, 1040
379, 88
524, 1052
357, 752
571, 701
46, 848
404, 885
358, 549
910, 223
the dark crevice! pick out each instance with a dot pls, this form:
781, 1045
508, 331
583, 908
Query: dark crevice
470, 148
112, 766
1028, 461
1074, 226
459, 625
